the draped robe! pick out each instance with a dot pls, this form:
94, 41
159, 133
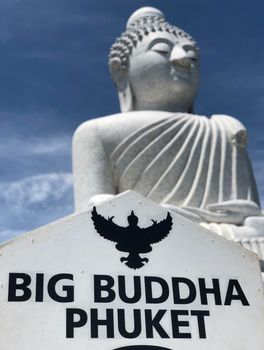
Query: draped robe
186, 160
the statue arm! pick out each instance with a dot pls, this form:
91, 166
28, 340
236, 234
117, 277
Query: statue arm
91, 168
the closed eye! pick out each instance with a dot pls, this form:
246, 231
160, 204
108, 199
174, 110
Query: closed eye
162, 48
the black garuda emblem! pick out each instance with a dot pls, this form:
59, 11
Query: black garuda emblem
132, 238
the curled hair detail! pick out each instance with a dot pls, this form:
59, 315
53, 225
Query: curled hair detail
123, 46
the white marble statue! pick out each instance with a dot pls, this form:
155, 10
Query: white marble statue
195, 165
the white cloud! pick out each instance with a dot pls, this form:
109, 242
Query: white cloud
34, 201
61, 144
35, 146
35, 189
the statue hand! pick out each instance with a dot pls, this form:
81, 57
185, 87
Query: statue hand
229, 212
242, 206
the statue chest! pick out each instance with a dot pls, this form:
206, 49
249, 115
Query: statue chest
184, 160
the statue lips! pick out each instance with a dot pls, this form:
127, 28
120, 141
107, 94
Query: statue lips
132, 239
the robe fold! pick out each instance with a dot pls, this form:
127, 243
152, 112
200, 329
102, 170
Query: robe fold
186, 160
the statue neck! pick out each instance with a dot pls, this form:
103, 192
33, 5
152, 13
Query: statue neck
166, 107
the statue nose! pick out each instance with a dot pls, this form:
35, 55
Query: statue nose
182, 58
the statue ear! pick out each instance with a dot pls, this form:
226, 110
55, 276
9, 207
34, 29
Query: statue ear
120, 77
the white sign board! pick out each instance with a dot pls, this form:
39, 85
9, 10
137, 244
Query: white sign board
129, 275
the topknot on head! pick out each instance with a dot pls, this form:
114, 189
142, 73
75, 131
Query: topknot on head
144, 13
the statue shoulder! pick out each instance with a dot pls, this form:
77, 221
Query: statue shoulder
231, 122
236, 130
109, 131
93, 123
120, 123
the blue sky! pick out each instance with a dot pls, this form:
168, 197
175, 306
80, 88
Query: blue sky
54, 76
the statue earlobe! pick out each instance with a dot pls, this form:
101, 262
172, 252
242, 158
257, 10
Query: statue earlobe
125, 98
120, 77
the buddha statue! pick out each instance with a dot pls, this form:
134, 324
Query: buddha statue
194, 165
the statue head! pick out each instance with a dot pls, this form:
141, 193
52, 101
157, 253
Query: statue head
155, 66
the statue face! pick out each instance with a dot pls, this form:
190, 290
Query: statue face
164, 72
